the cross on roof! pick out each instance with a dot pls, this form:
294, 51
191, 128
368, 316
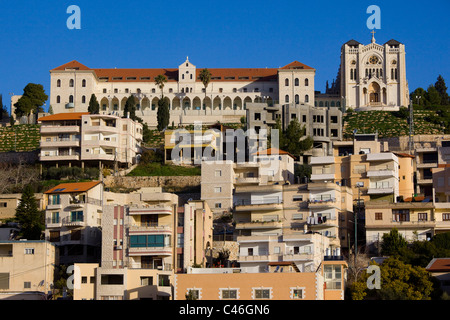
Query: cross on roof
373, 35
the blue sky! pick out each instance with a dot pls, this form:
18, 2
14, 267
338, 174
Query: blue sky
34, 37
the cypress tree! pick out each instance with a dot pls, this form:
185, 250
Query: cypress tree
30, 218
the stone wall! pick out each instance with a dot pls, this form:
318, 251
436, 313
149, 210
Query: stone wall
168, 183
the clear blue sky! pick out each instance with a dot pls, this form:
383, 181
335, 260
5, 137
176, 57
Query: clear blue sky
214, 34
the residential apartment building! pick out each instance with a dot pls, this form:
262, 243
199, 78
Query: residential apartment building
327, 282
27, 269
224, 99
10, 201
73, 214
324, 125
146, 238
80, 138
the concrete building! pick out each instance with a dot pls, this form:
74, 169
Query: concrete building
73, 214
80, 138
373, 76
27, 269
325, 283
440, 269
10, 201
224, 99
324, 125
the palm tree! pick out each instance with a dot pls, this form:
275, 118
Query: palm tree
160, 80
205, 77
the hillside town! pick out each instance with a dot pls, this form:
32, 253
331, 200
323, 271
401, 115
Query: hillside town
192, 183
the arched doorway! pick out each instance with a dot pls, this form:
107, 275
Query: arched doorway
374, 93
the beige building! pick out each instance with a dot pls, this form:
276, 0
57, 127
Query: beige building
224, 99
325, 283
9, 203
27, 269
73, 214
80, 138
373, 76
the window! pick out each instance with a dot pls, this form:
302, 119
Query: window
218, 189
71, 99
55, 199
306, 98
261, 293
76, 216
83, 83
286, 82
29, 250
423, 216
142, 241
332, 276
3, 204
378, 215
228, 293
306, 82
83, 99
218, 173
257, 116
111, 279
297, 293
296, 82
297, 198
249, 251
297, 216
164, 280
27, 285
276, 250
71, 83
4, 280
58, 83
286, 98
58, 99
218, 205
297, 99
180, 240
91, 279
400, 215
83, 279
146, 281
446, 217
195, 293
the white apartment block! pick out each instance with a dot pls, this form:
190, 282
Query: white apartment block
83, 138
224, 99
373, 76
73, 216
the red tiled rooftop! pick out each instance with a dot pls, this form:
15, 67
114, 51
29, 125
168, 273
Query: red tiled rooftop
63, 116
73, 187
439, 265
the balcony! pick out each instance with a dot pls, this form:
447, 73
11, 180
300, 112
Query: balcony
247, 180
67, 157
69, 222
59, 129
386, 190
53, 223
322, 160
259, 205
70, 105
104, 128
372, 173
427, 164
150, 227
60, 143
323, 176
425, 181
322, 221
259, 188
259, 225
150, 251
387, 156
321, 203
298, 257
151, 210
54, 206
422, 149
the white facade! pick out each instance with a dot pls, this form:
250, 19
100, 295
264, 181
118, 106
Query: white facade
224, 99
373, 76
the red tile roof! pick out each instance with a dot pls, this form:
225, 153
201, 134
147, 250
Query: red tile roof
271, 151
439, 265
217, 74
63, 116
73, 187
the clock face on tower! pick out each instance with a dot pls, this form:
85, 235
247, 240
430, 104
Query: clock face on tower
373, 60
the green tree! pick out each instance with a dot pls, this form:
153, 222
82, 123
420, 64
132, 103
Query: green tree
94, 106
160, 81
205, 78
422, 93
50, 109
393, 243
399, 281
32, 100
442, 90
163, 114
432, 97
129, 111
294, 140
3, 111
190, 295
29, 217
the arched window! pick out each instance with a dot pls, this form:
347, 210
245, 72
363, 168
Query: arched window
58, 99
296, 82
58, 83
332, 104
83, 83
286, 98
306, 82
306, 98
71, 99
83, 99
71, 83
321, 104
286, 82
297, 99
